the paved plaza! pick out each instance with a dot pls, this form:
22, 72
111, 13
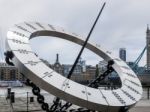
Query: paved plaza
20, 104
142, 106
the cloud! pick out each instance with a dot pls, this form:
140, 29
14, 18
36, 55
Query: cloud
122, 24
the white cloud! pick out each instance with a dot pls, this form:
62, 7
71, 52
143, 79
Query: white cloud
122, 24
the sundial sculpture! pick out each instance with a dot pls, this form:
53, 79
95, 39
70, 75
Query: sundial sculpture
90, 97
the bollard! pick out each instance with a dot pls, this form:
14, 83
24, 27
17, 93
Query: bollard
8, 92
12, 97
31, 99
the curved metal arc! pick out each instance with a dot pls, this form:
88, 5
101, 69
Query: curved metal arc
75, 93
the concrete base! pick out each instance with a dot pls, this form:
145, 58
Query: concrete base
142, 106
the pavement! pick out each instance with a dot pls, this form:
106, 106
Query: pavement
20, 104
141, 106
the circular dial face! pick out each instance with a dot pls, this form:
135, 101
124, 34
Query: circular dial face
33, 68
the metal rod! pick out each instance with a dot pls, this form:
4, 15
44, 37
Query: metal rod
148, 93
27, 103
85, 43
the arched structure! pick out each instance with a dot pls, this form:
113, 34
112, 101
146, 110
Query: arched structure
30, 65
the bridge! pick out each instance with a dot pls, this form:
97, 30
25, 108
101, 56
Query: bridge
143, 72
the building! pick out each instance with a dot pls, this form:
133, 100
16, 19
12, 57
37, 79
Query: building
79, 69
10, 73
148, 47
122, 54
64, 69
103, 65
67, 68
81, 73
57, 66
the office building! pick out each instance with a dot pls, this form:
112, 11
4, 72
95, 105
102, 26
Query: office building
122, 54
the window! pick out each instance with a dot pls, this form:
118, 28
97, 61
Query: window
12, 75
2, 75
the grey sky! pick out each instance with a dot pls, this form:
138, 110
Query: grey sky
122, 24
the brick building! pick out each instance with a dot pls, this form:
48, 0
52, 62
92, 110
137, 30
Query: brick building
10, 73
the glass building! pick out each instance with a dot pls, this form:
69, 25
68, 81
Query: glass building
122, 54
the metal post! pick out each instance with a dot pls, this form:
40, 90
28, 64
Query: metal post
27, 103
148, 93
85, 43
8, 92
81, 51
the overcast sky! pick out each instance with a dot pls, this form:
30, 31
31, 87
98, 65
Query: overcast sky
122, 24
